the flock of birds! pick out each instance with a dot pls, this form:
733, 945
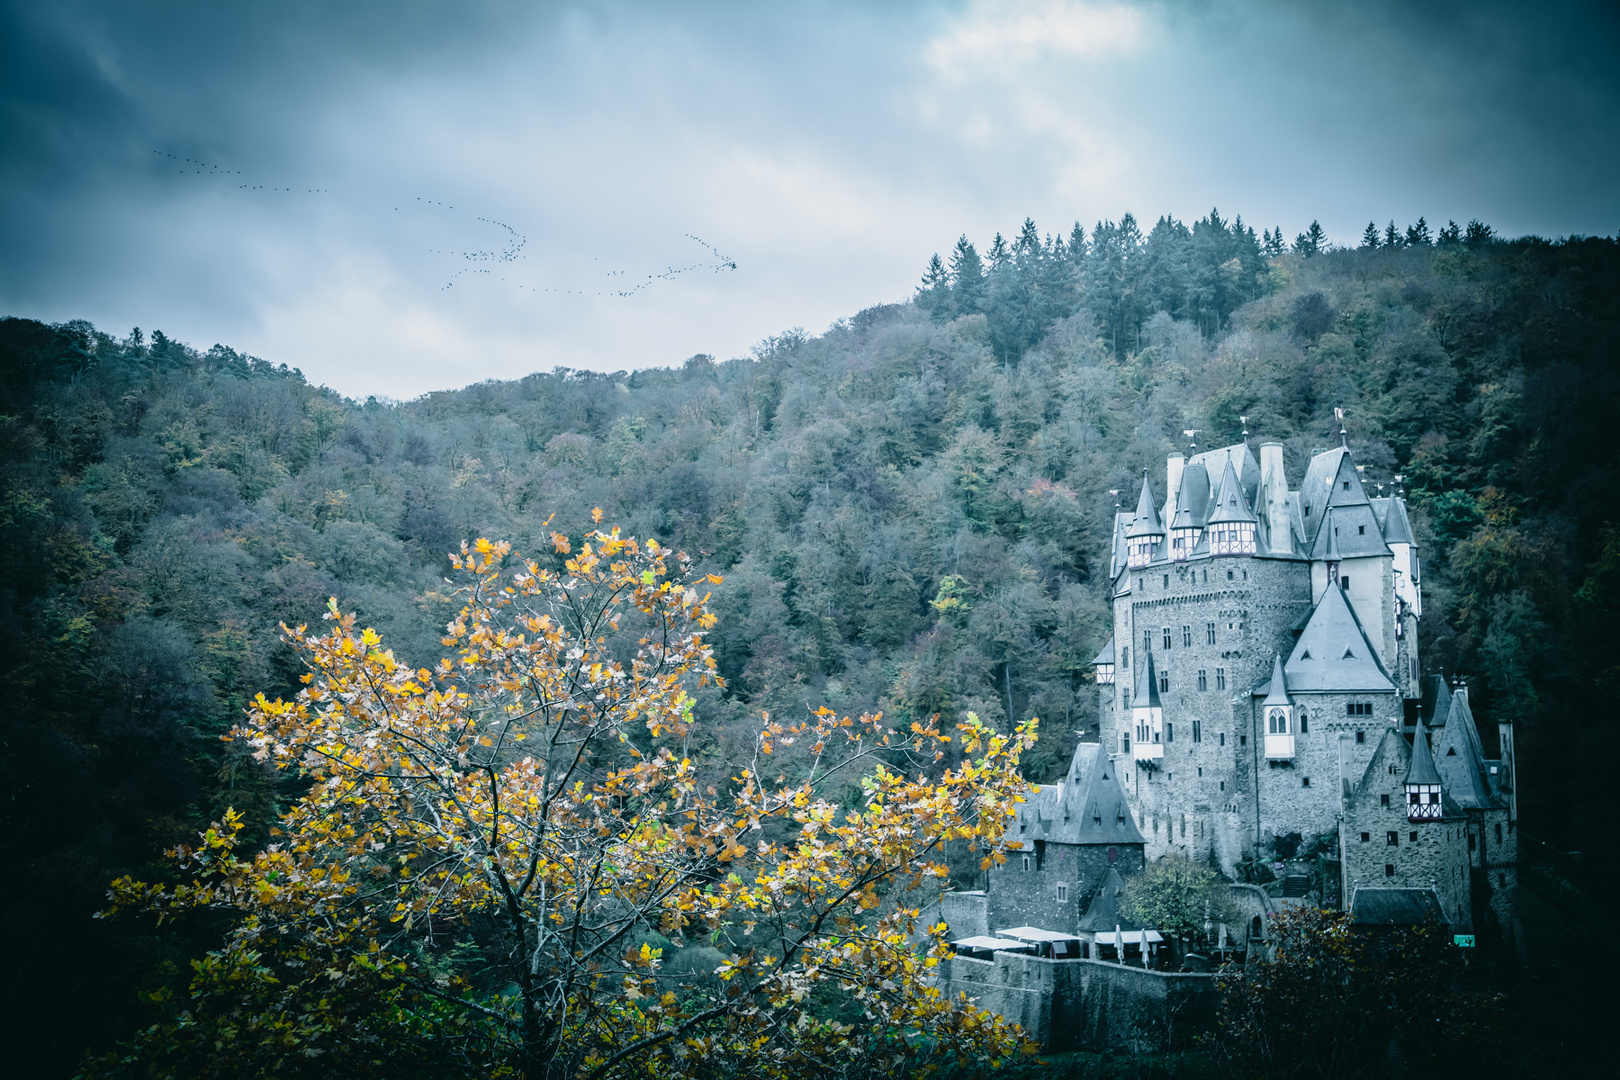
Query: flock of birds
487, 262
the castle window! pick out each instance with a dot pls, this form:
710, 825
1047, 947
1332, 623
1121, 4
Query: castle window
1220, 678
1383, 800
1026, 864
1040, 854
1344, 583
1358, 708
1366, 837
1147, 641
1498, 832
1229, 575
1361, 736
1113, 854
1063, 894
1347, 485
1223, 785
1307, 509
1198, 732
1306, 783
1200, 768
1243, 740
1125, 657
1096, 819
1413, 837
1471, 841
1206, 577
1392, 839
1203, 682
1186, 636
1170, 736
1223, 738
1209, 630
1389, 869
1361, 530
1167, 637
1164, 682
1304, 722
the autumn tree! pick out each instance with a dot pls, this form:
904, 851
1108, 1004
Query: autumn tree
491, 856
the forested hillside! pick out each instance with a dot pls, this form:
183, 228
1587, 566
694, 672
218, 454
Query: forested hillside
911, 512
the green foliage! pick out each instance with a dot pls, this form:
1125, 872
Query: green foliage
161, 509
1178, 898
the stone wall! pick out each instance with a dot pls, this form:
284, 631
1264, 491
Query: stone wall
1089, 1004
1030, 898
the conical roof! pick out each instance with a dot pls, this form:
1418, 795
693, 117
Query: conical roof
1146, 522
1105, 655
1147, 686
1231, 504
1460, 759
1421, 770
1277, 692
1103, 914
1192, 499
1397, 528
1333, 654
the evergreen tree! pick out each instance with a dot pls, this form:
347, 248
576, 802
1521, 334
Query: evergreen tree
1478, 234
1077, 243
1312, 241
1450, 235
1418, 235
1000, 253
1369, 238
967, 279
1273, 243
933, 295
1392, 237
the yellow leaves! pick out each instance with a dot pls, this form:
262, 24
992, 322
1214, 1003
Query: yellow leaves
560, 543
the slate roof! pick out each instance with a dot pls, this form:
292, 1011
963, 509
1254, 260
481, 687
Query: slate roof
1396, 907
1348, 532
1231, 504
1334, 491
1333, 653
1121, 553
1103, 914
1436, 702
1397, 527
1146, 695
1460, 759
1277, 691
1192, 500
1146, 522
1421, 770
1106, 654
1087, 807
1241, 458
1393, 749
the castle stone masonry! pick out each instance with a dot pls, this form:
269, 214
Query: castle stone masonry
1262, 686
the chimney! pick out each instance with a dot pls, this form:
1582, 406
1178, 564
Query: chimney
1173, 466
1274, 494
1505, 779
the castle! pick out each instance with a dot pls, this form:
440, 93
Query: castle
1262, 688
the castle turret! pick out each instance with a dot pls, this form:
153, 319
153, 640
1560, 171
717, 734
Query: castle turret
1279, 713
1173, 467
1232, 524
1422, 780
1146, 533
1147, 716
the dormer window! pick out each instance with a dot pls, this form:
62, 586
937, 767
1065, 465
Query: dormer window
1347, 485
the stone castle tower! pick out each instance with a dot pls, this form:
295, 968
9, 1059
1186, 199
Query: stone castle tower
1254, 625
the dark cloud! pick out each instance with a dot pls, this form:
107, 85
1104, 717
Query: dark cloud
826, 147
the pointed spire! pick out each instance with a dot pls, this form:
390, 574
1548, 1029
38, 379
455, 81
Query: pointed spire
1277, 693
1421, 770
1231, 504
1146, 522
1147, 686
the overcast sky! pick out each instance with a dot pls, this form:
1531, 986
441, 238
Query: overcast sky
399, 197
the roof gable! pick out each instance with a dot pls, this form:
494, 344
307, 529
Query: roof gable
1422, 770
1146, 521
1231, 504
1376, 778
1103, 914
1333, 653
1460, 759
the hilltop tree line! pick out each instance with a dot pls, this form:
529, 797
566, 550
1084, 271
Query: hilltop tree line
911, 512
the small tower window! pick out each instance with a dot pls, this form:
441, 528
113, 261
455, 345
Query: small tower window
1167, 581
1392, 839
1063, 894
1306, 782
1304, 722
1366, 837
1203, 682
1167, 638
1223, 738
1361, 530
1347, 485
1389, 869
1026, 864
1220, 678
1164, 682
1209, 630
1383, 800
1361, 736
1198, 736
1170, 736
1186, 636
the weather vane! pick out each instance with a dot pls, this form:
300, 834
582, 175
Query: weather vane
1244, 420
1192, 433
